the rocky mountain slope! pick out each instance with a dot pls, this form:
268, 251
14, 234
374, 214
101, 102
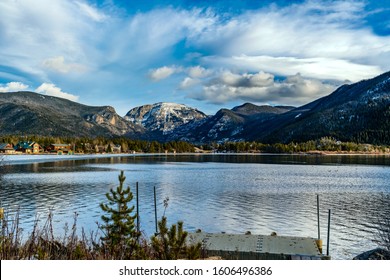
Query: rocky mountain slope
358, 112
32, 113
162, 118
226, 125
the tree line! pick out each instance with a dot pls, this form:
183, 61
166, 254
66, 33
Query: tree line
87, 145
323, 144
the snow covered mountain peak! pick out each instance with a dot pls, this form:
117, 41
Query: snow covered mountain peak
163, 116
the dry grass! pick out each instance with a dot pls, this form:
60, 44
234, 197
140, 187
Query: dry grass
42, 243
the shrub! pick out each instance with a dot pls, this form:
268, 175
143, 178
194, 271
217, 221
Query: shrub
172, 244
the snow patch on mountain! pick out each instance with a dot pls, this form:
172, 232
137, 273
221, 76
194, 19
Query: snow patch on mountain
163, 116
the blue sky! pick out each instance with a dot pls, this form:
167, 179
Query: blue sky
206, 54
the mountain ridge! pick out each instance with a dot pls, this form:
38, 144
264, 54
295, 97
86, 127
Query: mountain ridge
163, 117
346, 114
33, 113
357, 112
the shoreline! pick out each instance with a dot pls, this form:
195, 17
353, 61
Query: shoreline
342, 153
16, 159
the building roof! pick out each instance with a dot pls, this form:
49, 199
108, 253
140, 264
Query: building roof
3, 146
25, 145
61, 145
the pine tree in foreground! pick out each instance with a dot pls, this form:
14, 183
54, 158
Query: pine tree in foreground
120, 234
171, 244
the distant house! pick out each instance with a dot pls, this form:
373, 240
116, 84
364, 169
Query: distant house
28, 147
109, 148
116, 149
61, 149
6, 148
100, 149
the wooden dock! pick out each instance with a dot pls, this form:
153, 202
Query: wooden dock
258, 247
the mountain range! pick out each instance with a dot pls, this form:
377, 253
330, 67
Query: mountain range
358, 112
27, 113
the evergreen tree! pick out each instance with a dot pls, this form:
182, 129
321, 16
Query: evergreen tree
171, 244
121, 236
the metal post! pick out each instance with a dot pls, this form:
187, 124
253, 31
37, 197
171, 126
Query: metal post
155, 208
138, 229
327, 241
318, 216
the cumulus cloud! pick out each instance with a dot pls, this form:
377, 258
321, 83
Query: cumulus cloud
318, 67
13, 86
58, 64
263, 88
188, 83
163, 72
53, 90
194, 72
199, 72
321, 39
260, 79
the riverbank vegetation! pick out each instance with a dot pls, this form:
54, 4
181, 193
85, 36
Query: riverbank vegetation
325, 144
105, 145
116, 238
125, 145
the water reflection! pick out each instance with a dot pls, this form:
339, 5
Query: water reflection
216, 193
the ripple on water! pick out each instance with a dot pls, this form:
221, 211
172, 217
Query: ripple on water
213, 196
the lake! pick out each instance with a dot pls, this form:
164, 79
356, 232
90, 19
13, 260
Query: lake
231, 193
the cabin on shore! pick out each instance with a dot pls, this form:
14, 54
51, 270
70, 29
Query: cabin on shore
6, 148
109, 148
116, 149
61, 149
28, 147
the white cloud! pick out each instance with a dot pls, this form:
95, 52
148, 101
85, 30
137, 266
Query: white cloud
320, 39
199, 72
43, 40
58, 64
259, 79
53, 90
194, 72
13, 86
163, 72
188, 83
150, 36
310, 29
262, 87
91, 12
36, 30
318, 67
230, 79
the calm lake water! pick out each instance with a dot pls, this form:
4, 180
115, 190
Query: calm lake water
215, 193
